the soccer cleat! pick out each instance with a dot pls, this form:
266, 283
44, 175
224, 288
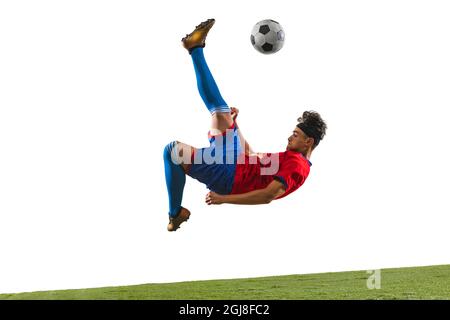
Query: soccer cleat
196, 39
174, 223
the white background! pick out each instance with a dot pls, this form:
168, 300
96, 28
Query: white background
92, 91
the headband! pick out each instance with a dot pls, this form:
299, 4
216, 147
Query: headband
310, 133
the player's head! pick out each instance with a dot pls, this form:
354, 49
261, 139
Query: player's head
309, 131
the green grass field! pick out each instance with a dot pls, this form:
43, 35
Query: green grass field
405, 283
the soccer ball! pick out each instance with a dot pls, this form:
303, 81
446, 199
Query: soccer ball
267, 36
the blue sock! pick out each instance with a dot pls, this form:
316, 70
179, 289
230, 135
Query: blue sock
175, 180
207, 87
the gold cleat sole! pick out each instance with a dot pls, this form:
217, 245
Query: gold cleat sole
197, 37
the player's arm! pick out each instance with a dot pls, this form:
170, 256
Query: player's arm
260, 196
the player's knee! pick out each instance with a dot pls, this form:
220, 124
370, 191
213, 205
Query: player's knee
172, 152
169, 149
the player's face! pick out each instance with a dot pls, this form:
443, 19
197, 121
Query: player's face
298, 141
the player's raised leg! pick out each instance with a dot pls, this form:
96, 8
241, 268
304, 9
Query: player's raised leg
207, 87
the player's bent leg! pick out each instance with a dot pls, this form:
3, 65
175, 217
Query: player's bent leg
177, 162
175, 178
175, 182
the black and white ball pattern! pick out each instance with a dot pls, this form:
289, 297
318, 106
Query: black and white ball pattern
267, 36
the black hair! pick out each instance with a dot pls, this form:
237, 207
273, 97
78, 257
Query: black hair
312, 124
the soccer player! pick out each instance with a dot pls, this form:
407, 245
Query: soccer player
228, 167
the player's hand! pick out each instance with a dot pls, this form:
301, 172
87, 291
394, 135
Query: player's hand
234, 113
213, 198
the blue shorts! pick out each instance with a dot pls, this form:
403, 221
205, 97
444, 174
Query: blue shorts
215, 165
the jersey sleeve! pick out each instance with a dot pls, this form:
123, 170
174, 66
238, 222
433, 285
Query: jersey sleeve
290, 175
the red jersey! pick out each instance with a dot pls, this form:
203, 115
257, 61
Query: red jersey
289, 167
